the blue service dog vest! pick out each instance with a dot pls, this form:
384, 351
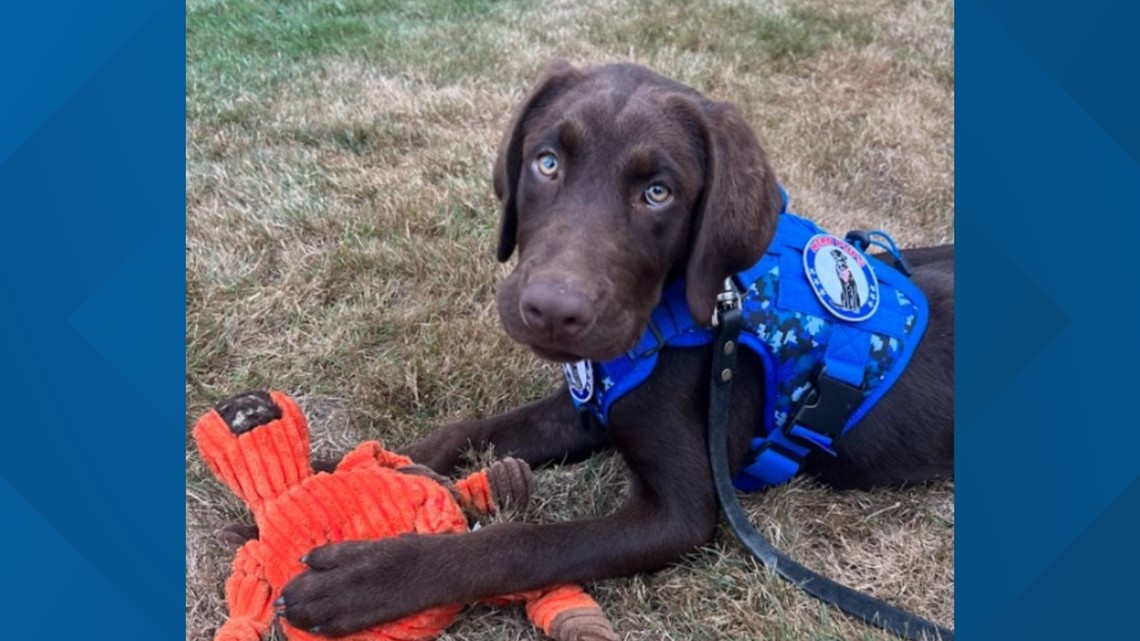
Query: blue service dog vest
826, 321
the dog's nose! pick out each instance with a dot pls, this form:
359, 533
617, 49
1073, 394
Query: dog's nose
558, 310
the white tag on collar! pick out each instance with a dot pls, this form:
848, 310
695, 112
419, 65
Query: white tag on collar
580, 378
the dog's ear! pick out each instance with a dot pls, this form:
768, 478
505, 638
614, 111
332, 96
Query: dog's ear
559, 76
736, 216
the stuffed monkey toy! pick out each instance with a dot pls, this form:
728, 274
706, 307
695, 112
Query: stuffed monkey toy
258, 445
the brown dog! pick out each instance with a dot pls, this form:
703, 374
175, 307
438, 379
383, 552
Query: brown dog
614, 180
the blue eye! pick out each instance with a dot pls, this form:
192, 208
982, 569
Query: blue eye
657, 194
547, 164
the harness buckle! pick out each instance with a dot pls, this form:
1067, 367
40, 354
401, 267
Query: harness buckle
827, 406
823, 412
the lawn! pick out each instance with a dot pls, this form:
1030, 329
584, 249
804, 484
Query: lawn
340, 226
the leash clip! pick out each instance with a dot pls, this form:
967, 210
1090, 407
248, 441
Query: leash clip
726, 301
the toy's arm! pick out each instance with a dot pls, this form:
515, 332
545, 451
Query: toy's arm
506, 482
248, 597
564, 613
372, 453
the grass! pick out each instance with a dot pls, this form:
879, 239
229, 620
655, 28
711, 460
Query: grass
340, 230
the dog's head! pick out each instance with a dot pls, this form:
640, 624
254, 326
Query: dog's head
613, 180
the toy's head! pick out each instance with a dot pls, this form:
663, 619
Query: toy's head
257, 443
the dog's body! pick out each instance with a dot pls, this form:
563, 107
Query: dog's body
614, 181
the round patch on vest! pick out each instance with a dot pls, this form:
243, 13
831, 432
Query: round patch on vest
580, 377
841, 278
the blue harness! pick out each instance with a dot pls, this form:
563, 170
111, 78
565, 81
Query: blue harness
833, 328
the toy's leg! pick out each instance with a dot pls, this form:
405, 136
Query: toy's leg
567, 613
248, 597
372, 453
508, 482
564, 613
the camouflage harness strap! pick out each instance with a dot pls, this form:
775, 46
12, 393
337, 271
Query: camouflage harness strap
832, 327
870, 610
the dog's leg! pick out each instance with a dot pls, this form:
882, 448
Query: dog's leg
378, 581
544, 431
671, 509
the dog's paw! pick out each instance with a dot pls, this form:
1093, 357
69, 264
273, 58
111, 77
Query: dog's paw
355, 585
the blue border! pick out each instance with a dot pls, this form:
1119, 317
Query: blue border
92, 287
1047, 357
92, 128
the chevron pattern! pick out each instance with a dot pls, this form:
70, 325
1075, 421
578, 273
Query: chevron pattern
92, 140
1046, 211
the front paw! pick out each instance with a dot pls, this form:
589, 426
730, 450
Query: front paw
355, 585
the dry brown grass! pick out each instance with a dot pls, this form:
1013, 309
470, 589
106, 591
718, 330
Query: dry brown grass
339, 232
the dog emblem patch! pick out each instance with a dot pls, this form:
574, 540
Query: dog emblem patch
841, 278
580, 377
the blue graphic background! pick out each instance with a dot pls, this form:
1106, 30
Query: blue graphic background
1047, 203
92, 171
92, 288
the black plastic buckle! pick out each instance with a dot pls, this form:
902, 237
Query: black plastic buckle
827, 407
825, 411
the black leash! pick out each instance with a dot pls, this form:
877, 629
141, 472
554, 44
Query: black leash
871, 610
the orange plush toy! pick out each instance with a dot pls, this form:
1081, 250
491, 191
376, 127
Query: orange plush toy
258, 445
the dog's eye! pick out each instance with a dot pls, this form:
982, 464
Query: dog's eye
657, 194
547, 164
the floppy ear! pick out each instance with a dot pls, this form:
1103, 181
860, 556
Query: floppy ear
558, 77
736, 216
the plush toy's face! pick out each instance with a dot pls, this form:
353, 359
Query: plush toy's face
257, 444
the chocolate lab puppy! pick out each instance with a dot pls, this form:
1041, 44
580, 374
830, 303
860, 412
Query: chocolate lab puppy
614, 181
